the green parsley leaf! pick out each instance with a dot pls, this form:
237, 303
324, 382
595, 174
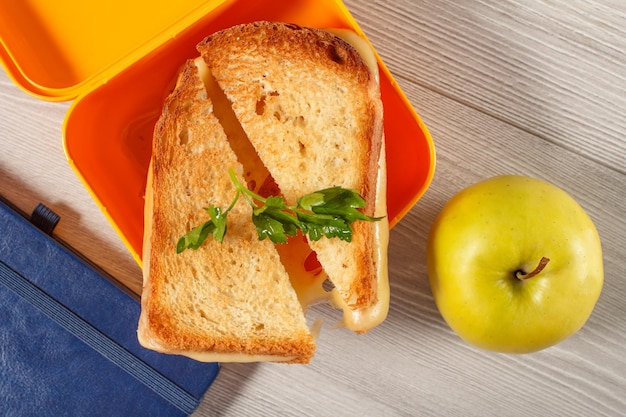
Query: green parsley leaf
195, 237
269, 227
336, 201
287, 219
216, 226
275, 202
311, 200
219, 221
317, 226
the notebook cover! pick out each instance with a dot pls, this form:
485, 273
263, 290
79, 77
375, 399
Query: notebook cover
68, 341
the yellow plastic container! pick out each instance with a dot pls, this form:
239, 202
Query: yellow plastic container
117, 60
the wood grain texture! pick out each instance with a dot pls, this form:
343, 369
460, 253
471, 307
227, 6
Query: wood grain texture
33, 169
529, 87
555, 69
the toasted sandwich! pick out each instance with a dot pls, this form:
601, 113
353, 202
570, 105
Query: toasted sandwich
292, 110
228, 301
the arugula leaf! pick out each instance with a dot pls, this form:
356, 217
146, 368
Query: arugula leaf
325, 213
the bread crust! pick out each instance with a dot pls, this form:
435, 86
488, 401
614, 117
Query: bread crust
311, 107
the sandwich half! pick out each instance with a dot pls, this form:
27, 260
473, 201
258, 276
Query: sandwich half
309, 102
291, 110
229, 301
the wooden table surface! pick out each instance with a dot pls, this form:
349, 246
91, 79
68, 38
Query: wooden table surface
527, 87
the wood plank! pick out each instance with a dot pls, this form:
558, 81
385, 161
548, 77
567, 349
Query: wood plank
33, 169
554, 69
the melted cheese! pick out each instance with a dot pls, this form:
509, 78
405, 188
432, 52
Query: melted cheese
308, 284
147, 225
361, 46
363, 320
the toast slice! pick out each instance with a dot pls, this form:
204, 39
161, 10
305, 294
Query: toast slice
310, 105
229, 301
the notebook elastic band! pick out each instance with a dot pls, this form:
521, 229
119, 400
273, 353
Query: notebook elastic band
97, 340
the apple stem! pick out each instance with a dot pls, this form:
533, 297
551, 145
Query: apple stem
542, 264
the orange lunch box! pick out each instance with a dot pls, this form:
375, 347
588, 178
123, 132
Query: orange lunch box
117, 61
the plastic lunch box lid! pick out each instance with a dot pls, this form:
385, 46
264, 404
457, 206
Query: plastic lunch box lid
57, 50
65, 49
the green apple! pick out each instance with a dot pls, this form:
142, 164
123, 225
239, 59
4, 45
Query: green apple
514, 264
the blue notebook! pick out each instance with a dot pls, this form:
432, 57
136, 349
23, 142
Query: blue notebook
68, 341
